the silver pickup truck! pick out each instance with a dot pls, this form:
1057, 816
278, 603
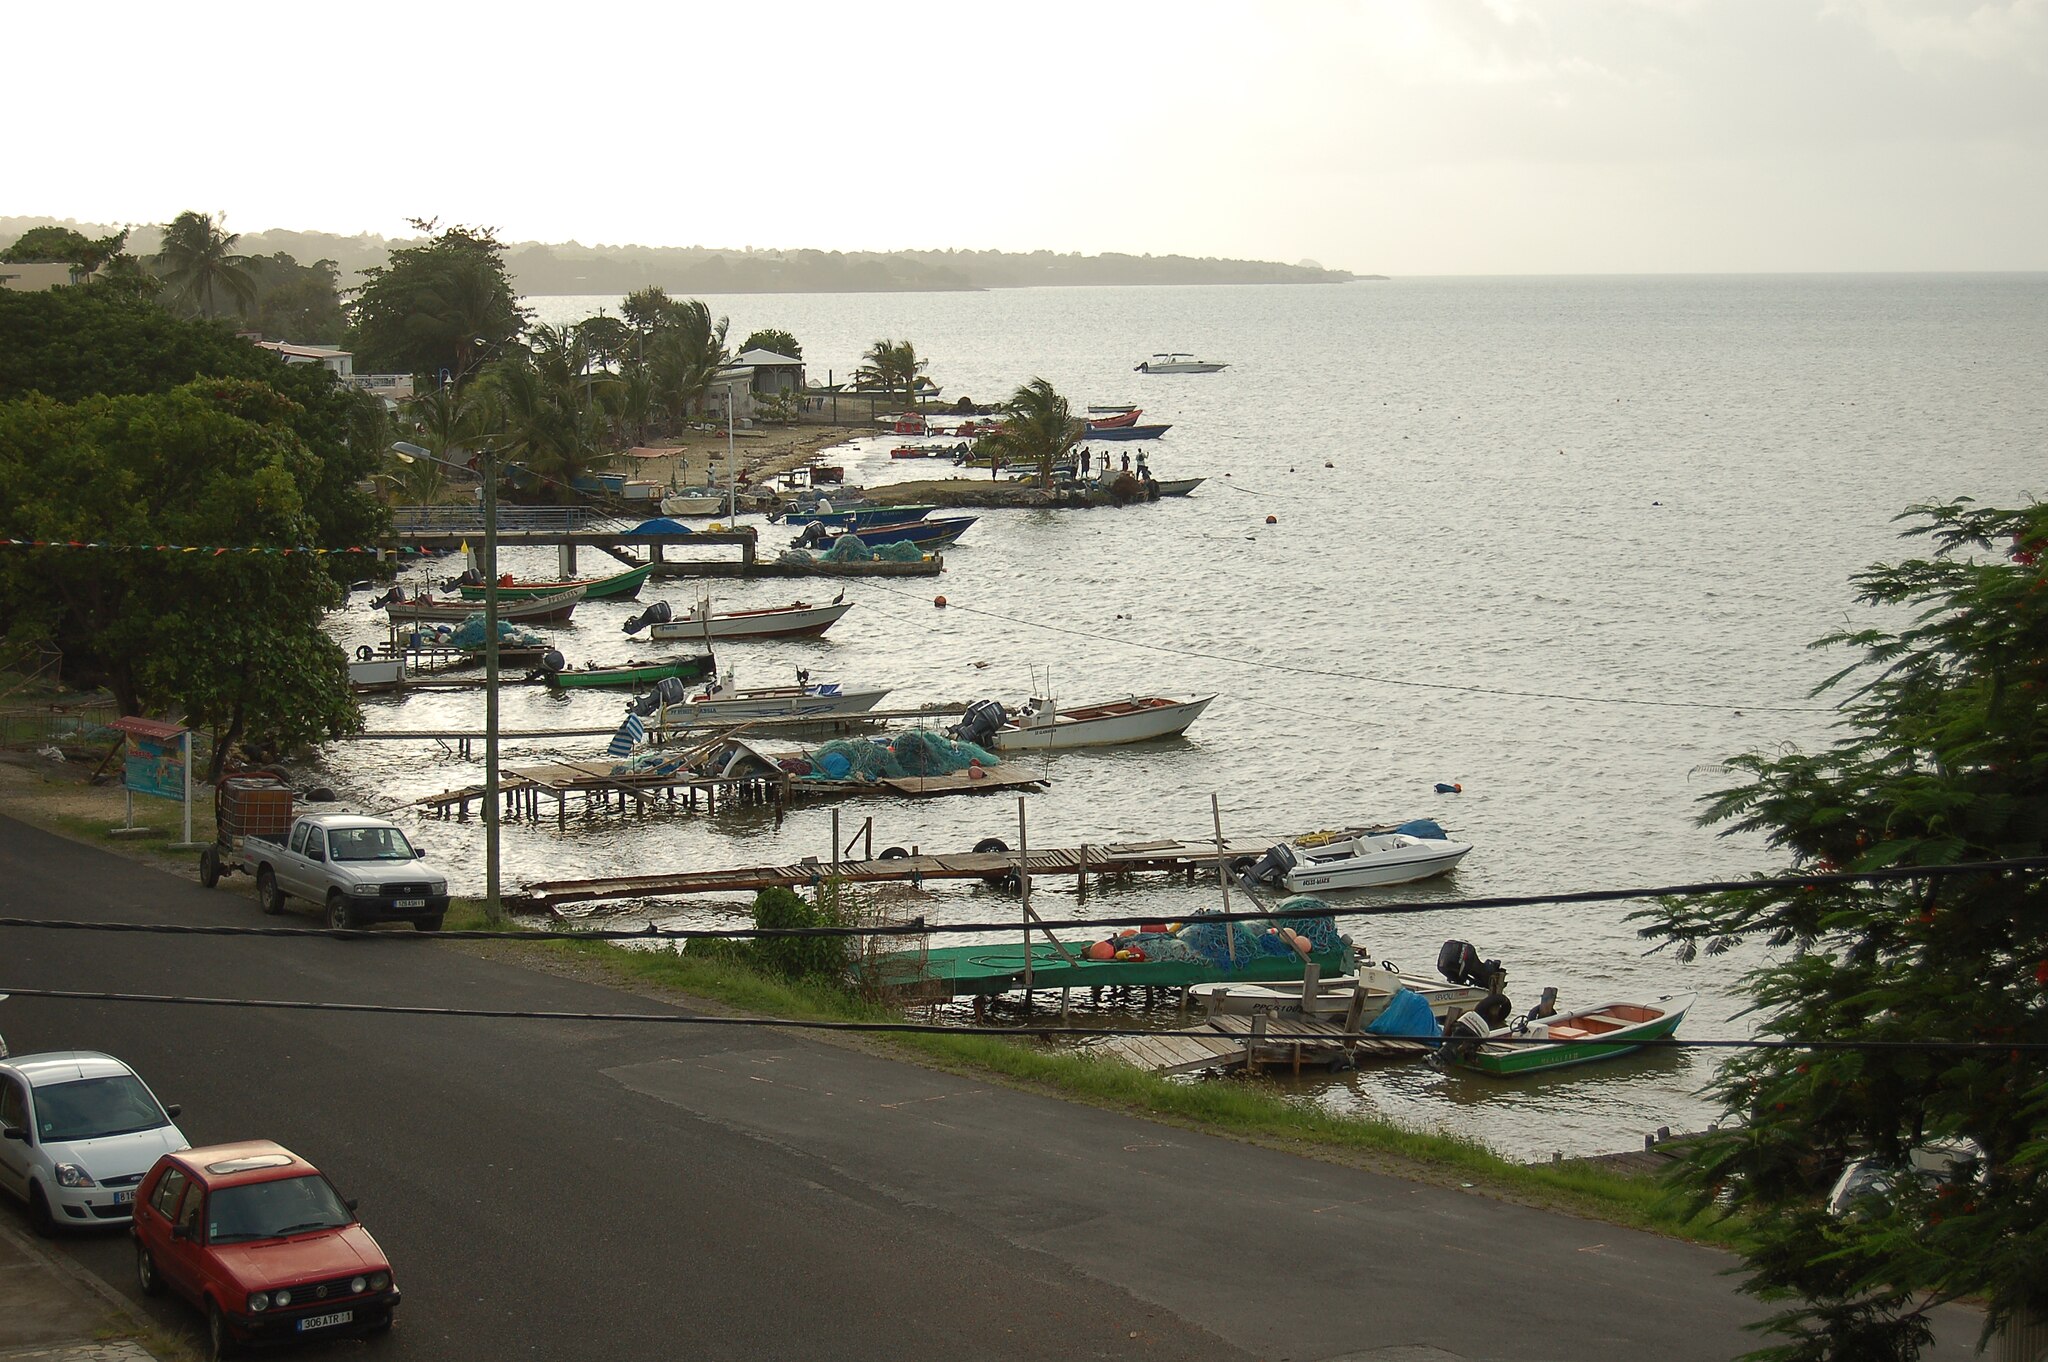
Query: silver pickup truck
362, 869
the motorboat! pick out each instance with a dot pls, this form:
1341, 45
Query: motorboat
693, 504
1178, 364
1176, 487
1042, 725
1334, 995
624, 675
926, 534
700, 621
861, 517
1127, 417
1358, 858
1128, 432
722, 702
1536, 1044
623, 586
554, 609
1111, 408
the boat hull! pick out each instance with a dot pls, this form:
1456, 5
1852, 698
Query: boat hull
787, 704
554, 609
1136, 720
692, 506
1511, 1060
1128, 433
814, 619
1432, 858
624, 586
923, 533
377, 674
616, 678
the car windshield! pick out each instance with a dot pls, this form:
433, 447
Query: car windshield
270, 1210
368, 844
90, 1108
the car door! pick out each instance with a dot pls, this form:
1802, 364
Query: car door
154, 1217
14, 1154
291, 866
184, 1256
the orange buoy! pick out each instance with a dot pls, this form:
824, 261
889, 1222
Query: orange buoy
939, 601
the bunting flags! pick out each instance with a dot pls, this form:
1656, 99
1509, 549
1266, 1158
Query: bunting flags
210, 550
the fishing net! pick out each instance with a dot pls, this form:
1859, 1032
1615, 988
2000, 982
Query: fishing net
916, 752
1213, 942
850, 549
652, 763
469, 635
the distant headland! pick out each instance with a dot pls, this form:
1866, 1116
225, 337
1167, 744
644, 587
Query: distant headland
570, 267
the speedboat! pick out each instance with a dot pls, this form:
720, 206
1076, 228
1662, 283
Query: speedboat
1178, 364
1358, 858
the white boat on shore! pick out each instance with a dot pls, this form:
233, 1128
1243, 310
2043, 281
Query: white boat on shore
1042, 725
1358, 859
701, 622
1333, 996
684, 503
1179, 364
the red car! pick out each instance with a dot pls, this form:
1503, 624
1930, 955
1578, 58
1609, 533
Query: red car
261, 1242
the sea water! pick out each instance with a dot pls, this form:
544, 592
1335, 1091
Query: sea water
1561, 541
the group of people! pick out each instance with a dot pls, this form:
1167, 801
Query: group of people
1087, 458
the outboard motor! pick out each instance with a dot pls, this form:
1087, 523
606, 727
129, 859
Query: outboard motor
1271, 868
395, 594
552, 662
980, 722
814, 536
670, 691
1459, 963
1461, 1038
658, 613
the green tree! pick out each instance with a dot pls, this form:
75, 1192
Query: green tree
297, 302
1943, 760
888, 364
781, 342
1040, 430
450, 423
63, 246
551, 412
441, 307
198, 262
685, 353
231, 640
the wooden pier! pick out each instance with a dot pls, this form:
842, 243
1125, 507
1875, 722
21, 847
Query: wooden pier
627, 548
659, 735
1169, 856
1232, 1041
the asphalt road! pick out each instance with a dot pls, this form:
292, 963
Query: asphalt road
624, 1191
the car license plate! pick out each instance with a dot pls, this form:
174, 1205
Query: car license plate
312, 1322
412, 903
123, 1198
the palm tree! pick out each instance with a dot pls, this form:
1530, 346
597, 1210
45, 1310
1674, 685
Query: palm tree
685, 355
198, 258
888, 363
449, 422
1041, 429
552, 412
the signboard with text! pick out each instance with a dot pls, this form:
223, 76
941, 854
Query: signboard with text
155, 758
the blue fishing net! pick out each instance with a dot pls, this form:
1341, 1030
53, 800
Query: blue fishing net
1212, 941
916, 752
469, 635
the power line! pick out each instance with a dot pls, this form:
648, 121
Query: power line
920, 927
936, 1029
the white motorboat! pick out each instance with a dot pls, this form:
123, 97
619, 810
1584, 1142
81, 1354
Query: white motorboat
701, 622
1379, 982
1179, 364
683, 503
1043, 725
1358, 859
368, 674
722, 702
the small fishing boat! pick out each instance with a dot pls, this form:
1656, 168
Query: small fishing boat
693, 503
628, 675
624, 586
552, 609
1177, 487
1127, 417
926, 534
1111, 408
860, 517
794, 620
1358, 858
1178, 364
1129, 433
1040, 724
1580, 1036
368, 675
722, 702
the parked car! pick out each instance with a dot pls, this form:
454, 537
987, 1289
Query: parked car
77, 1132
362, 869
262, 1244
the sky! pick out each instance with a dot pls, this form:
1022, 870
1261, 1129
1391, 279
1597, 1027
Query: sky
1409, 137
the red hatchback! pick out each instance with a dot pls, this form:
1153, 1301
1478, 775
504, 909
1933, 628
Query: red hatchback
261, 1242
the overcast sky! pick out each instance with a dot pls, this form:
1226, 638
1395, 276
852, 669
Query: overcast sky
1396, 136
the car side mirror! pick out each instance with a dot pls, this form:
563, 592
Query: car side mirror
181, 1231
418, 853
319, 853
174, 1111
14, 1133
349, 1202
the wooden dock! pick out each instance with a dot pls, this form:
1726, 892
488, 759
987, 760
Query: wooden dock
1234, 1041
1168, 855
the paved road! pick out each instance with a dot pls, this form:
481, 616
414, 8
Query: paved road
584, 1190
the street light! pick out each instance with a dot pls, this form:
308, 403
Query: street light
488, 469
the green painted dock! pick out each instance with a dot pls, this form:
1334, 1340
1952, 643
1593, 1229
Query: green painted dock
990, 969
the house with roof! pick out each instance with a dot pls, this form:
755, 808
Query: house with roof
752, 374
391, 389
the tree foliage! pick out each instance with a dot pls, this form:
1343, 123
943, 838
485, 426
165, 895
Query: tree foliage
198, 264
1943, 760
888, 365
230, 640
63, 246
1041, 428
442, 307
775, 339
296, 302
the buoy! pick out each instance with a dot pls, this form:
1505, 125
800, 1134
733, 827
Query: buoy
1442, 788
939, 601
1328, 464
1272, 520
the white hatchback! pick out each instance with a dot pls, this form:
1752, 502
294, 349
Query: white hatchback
77, 1132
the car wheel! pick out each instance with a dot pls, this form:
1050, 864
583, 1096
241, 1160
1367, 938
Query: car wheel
219, 1342
338, 919
268, 896
380, 1328
209, 867
40, 1218
145, 1273
428, 924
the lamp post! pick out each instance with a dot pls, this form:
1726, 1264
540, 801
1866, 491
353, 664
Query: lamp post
488, 469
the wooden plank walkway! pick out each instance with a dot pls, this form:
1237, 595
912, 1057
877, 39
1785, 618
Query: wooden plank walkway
1168, 855
1231, 1041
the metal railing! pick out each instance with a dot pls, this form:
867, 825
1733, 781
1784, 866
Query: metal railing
470, 519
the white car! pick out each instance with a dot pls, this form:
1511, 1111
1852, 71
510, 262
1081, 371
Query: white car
77, 1132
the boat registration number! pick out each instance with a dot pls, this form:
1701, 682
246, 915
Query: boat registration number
412, 903
312, 1322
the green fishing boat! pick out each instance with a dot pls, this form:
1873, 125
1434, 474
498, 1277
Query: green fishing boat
633, 675
1577, 1037
624, 587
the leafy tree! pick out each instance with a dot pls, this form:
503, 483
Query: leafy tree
685, 352
450, 423
1040, 429
297, 302
198, 262
441, 307
781, 342
550, 411
888, 364
1943, 760
232, 640
63, 246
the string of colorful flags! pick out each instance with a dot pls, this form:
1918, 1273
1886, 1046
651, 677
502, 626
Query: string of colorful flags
210, 550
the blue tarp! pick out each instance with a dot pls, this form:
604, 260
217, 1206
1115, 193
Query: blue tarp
1424, 827
661, 524
1408, 1015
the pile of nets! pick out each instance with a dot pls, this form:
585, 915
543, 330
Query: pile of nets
469, 635
916, 752
1215, 941
652, 763
848, 548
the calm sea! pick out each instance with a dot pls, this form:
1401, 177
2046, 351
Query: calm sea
1561, 541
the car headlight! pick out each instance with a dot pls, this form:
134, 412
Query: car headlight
281, 1299
71, 1175
379, 1280
258, 1302
358, 1285
366, 890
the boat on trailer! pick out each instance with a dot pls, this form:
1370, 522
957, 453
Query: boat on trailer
1580, 1036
